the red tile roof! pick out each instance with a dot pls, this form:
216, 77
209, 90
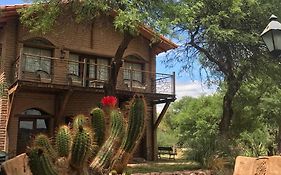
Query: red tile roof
10, 11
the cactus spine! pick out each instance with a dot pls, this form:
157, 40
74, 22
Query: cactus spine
63, 141
43, 141
79, 120
98, 125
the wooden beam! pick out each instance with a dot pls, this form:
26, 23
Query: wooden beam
166, 100
13, 89
10, 105
160, 117
62, 106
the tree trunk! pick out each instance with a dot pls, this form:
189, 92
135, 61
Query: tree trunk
233, 86
116, 63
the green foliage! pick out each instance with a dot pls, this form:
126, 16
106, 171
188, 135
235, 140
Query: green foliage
166, 136
128, 14
199, 118
224, 37
256, 143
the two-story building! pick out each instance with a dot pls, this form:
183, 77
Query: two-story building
47, 79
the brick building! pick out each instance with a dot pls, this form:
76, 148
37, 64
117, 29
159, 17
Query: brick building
47, 79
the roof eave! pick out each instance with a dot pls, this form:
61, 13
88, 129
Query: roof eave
10, 11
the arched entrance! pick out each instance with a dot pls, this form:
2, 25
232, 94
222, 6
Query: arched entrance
31, 122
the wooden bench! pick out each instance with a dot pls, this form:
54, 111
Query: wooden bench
167, 150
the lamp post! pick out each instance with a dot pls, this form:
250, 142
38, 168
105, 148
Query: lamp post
272, 39
272, 36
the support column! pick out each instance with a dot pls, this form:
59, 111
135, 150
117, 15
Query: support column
61, 102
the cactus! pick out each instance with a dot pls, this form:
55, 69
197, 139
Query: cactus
136, 123
79, 120
63, 141
81, 147
43, 141
76, 151
136, 126
110, 147
98, 124
40, 162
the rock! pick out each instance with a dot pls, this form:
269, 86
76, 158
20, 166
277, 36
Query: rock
17, 166
257, 166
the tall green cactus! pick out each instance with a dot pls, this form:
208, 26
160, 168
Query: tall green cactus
136, 123
75, 150
63, 141
81, 147
41, 140
98, 124
136, 127
110, 147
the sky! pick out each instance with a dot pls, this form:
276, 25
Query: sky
186, 85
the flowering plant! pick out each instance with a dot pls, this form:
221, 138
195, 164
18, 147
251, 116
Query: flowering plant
109, 101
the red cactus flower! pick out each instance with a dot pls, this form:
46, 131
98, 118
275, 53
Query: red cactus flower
109, 101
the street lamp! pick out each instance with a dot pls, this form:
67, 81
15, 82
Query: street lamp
272, 36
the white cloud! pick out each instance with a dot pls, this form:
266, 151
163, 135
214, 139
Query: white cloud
192, 89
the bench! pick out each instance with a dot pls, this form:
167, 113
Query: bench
167, 150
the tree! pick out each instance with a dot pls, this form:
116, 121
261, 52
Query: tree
128, 15
257, 106
224, 36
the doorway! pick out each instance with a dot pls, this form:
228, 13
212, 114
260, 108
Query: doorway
31, 123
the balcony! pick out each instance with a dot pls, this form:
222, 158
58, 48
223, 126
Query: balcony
58, 71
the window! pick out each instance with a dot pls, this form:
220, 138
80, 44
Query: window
33, 111
98, 69
37, 59
133, 71
102, 69
73, 66
31, 122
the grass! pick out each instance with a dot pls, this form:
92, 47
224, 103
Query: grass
162, 166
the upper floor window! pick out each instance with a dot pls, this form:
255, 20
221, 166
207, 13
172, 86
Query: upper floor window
73, 65
37, 59
37, 55
133, 69
99, 69
96, 68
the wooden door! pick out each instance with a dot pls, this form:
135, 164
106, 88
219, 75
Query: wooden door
28, 128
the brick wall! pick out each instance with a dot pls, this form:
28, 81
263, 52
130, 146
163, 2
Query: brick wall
3, 111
